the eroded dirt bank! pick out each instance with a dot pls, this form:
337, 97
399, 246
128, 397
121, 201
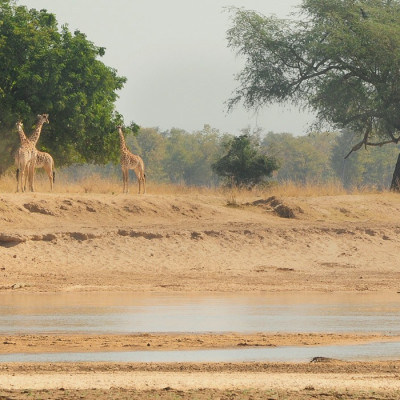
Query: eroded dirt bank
52, 242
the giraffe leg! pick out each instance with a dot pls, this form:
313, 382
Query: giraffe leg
137, 173
32, 176
49, 173
125, 181
140, 177
144, 183
26, 174
51, 178
17, 176
21, 179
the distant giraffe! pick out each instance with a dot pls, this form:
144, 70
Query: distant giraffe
131, 161
43, 160
23, 156
33, 139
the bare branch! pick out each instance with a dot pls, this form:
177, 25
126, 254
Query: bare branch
355, 148
364, 141
382, 143
367, 143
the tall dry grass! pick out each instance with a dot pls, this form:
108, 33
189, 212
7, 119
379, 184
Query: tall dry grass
95, 183
294, 189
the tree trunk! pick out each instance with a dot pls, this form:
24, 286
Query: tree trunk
395, 186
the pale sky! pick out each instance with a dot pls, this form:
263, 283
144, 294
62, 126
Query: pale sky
174, 54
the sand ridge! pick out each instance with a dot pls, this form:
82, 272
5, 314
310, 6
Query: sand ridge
46, 343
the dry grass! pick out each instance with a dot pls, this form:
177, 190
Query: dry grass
95, 183
293, 189
236, 196
8, 182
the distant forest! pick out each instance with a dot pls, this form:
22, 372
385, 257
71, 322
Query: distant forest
179, 157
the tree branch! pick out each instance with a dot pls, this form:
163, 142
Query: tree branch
367, 143
364, 141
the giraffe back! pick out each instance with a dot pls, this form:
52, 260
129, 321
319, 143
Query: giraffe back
43, 159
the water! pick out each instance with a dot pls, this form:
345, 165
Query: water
176, 313
131, 313
370, 351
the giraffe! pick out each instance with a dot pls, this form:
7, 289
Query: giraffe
45, 160
26, 155
23, 156
131, 161
33, 139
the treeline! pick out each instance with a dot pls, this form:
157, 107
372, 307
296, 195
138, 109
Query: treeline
179, 157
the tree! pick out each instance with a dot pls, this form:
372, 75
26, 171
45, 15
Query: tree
243, 164
152, 145
367, 168
205, 148
47, 69
340, 58
303, 159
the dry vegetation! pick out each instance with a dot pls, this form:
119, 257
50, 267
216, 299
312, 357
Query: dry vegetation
95, 183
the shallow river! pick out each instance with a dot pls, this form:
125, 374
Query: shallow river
137, 313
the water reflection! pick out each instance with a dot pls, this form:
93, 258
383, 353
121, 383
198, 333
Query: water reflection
131, 313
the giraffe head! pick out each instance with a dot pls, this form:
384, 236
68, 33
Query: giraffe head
43, 118
19, 125
119, 129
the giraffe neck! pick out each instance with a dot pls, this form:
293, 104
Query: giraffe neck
122, 143
22, 137
36, 134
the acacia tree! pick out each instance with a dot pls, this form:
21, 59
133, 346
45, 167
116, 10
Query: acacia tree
243, 164
340, 58
44, 68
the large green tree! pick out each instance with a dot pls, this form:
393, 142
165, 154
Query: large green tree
45, 68
340, 58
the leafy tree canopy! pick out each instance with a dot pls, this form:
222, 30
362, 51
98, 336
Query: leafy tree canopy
47, 69
341, 58
243, 164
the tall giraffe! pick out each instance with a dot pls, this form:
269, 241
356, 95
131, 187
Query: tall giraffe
23, 156
131, 161
33, 139
43, 160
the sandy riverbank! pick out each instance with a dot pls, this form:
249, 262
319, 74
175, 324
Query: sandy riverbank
328, 380
72, 242
196, 243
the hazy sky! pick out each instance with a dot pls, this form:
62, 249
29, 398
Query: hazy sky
175, 56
